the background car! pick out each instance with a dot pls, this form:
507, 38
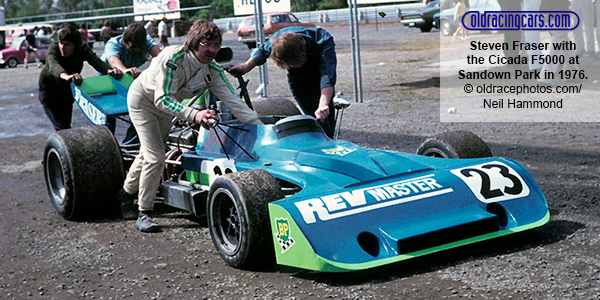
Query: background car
15, 54
423, 18
271, 22
446, 18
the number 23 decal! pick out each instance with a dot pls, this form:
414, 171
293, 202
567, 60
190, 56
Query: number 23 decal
493, 181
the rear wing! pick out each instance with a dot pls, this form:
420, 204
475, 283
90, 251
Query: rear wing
103, 97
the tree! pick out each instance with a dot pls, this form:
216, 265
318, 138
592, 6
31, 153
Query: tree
332, 4
16, 9
304, 5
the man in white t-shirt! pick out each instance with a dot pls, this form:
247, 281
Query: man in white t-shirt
163, 32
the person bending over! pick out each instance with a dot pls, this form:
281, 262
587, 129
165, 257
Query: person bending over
309, 56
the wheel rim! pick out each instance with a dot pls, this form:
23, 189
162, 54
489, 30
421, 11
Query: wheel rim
55, 177
226, 221
12, 63
433, 152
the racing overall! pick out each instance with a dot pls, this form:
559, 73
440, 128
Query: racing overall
153, 101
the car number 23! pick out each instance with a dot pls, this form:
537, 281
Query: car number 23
493, 181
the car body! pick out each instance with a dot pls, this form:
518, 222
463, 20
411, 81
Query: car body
351, 208
271, 23
446, 17
422, 18
15, 54
286, 188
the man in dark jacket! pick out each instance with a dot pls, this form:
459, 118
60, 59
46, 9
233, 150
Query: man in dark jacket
64, 62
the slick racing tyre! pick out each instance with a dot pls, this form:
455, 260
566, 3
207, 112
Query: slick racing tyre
455, 144
83, 171
238, 218
275, 107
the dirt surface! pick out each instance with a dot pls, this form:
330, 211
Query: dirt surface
42, 256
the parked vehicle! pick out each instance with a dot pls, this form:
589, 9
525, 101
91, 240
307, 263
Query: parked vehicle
423, 18
446, 17
15, 54
271, 23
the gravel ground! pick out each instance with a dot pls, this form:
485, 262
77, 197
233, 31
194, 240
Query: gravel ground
42, 256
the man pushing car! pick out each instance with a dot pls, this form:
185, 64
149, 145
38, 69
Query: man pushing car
154, 98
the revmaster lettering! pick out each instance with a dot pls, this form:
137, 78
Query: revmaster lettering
361, 200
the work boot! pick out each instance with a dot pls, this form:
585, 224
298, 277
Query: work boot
145, 223
128, 210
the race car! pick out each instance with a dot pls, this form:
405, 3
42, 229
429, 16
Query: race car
285, 192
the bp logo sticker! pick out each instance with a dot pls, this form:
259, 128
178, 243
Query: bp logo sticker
284, 238
339, 150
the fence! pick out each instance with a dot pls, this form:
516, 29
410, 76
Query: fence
372, 14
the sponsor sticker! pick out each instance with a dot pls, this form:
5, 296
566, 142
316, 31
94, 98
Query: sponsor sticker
171, 64
339, 150
91, 112
284, 238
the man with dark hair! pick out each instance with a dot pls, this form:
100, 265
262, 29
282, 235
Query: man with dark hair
64, 62
127, 52
309, 56
154, 98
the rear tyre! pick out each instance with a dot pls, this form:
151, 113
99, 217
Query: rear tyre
455, 144
275, 107
238, 218
83, 171
426, 28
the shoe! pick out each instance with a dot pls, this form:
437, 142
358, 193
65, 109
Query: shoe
145, 223
26, 67
128, 210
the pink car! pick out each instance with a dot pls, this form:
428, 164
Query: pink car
15, 54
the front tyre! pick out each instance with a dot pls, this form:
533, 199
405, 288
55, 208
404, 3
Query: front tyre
455, 144
238, 218
83, 171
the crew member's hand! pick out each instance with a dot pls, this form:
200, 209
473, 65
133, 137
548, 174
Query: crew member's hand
206, 118
239, 69
76, 78
322, 113
135, 72
116, 73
